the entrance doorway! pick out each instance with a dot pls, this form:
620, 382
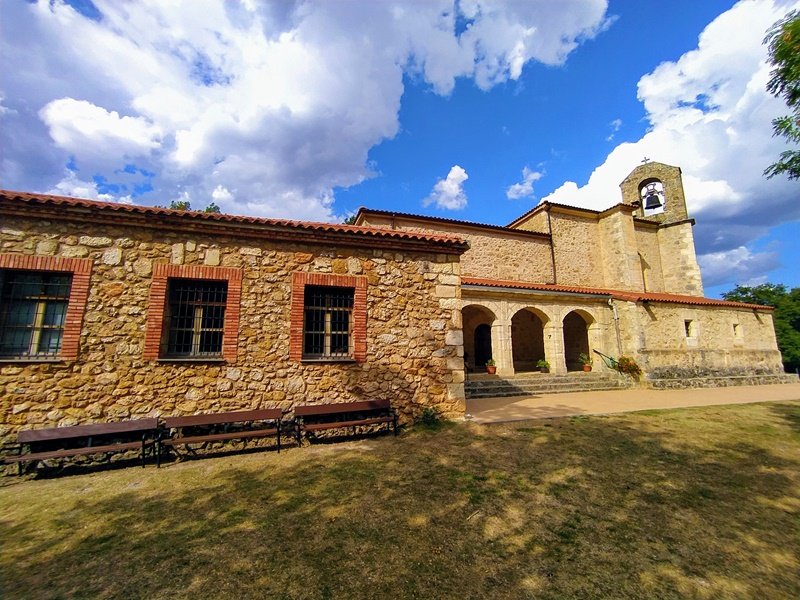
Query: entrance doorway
576, 339
477, 325
527, 339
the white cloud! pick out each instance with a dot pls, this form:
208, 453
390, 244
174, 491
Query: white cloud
448, 193
710, 114
86, 131
615, 125
739, 265
524, 189
71, 185
280, 101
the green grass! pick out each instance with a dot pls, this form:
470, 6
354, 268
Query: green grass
695, 503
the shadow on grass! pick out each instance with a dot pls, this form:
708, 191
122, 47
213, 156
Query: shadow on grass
616, 507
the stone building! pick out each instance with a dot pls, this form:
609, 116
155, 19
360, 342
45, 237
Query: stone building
111, 311
561, 281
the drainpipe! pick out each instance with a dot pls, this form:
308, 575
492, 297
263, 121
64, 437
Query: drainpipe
616, 324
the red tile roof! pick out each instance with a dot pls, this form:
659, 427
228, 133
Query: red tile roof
630, 296
9, 198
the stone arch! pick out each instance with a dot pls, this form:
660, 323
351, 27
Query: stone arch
477, 326
576, 337
527, 338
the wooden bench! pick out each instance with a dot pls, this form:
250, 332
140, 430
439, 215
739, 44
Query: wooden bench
96, 438
198, 429
341, 415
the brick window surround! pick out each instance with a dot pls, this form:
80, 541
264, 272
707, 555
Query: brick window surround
158, 300
299, 282
81, 270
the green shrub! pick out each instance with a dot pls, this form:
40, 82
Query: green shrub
430, 418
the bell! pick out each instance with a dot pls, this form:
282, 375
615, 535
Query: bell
652, 201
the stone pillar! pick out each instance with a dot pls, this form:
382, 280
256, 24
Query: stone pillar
554, 347
501, 347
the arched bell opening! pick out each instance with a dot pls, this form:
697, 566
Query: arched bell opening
576, 338
477, 326
527, 339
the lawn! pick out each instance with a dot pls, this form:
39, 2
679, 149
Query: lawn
693, 503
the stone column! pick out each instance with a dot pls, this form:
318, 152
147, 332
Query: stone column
554, 347
501, 347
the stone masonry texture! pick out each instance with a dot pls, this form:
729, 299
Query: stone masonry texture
413, 329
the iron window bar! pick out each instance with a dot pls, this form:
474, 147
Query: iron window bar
33, 310
328, 322
195, 318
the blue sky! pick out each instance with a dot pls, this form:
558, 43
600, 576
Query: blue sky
311, 109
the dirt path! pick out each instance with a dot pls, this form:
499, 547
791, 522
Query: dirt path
498, 410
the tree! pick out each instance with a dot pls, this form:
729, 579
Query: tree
783, 41
186, 205
351, 220
786, 315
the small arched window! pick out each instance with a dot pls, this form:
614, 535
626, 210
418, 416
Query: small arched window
651, 194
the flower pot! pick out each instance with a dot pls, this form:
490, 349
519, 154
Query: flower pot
544, 369
587, 368
491, 370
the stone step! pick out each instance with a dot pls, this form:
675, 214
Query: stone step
541, 384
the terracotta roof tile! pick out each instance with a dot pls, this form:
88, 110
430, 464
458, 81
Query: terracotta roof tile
32, 199
630, 296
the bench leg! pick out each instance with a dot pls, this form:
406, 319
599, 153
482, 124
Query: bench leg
279, 436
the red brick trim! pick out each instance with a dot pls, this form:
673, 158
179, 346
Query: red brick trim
299, 282
158, 297
81, 269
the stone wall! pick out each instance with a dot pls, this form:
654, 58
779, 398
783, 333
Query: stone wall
679, 265
578, 250
621, 264
413, 333
493, 254
672, 341
650, 258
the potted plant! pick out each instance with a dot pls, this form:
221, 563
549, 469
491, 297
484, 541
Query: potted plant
586, 361
543, 365
491, 367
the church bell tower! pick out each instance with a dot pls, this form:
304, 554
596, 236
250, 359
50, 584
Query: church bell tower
658, 190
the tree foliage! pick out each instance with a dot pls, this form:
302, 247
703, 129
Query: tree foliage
786, 315
783, 41
351, 220
186, 205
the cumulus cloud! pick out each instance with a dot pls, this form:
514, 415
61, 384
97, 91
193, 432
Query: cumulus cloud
738, 265
89, 131
448, 193
523, 189
74, 186
710, 114
277, 102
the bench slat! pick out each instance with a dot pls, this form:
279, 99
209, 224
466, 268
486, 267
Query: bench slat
313, 410
82, 431
337, 424
75, 452
266, 414
213, 437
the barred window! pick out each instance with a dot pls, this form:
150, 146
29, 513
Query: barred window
33, 309
327, 330
195, 318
